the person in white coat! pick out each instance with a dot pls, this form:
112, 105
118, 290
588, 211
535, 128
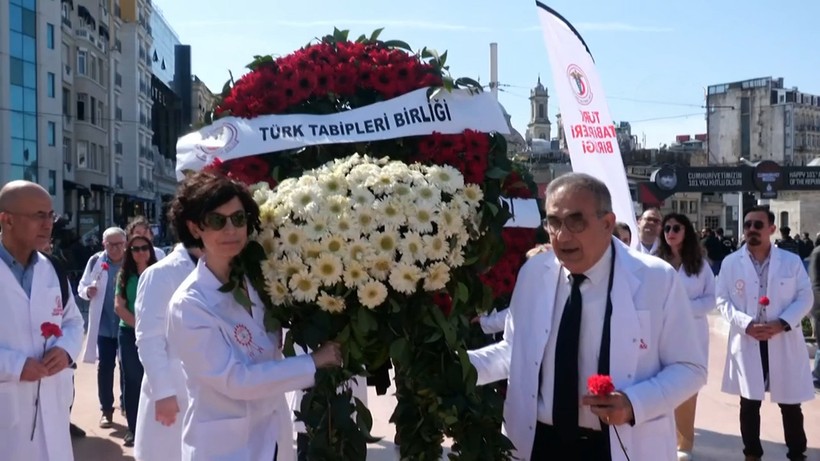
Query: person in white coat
679, 247
32, 428
573, 308
163, 395
101, 340
766, 350
649, 231
235, 375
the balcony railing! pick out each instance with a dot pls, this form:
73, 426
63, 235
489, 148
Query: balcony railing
67, 22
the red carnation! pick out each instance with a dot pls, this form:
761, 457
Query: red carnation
104, 266
444, 302
48, 329
600, 385
764, 300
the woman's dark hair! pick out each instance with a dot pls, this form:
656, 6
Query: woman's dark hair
691, 253
129, 266
139, 221
202, 193
619, 226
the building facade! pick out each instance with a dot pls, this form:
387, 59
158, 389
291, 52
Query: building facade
539, 126
202, 102
30, 98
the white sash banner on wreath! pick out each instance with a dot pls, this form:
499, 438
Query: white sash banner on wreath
411, 114
588, 128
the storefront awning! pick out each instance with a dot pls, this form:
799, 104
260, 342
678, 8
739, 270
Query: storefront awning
101, 188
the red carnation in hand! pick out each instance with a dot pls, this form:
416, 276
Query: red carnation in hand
104, 266
764, 300
48, 329
600, 385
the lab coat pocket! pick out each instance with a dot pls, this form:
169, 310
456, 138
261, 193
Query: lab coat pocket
653, 439
784, 289
9, 405
222, 436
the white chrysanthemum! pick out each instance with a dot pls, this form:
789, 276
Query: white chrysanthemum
277, 291
303, 197
360, 174
391, 212
332, 304
435, 247
411, 248
449, 221
292, 238
445, 177
336, 205
345, 227
328, 268
405, 277
372, 294
355, 275
436, 277
402, 191
289, 266
385, 243
473, 194
304, 287
361, 197
334, 244
359, 250
379, 266
286, 186
456, 258
260, 192
316, 227
270, 268
428, 194
312, 250
420, 218
381, 183
267, 215
333, 184
365, 220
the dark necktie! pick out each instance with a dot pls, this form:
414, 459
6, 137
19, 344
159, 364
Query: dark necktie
565, 396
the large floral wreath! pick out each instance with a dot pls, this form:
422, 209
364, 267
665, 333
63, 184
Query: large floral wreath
389, 247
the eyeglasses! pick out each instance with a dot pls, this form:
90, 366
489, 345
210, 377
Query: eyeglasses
575, 223
216, 221
757, 224
674, 228
114, 244
137, 248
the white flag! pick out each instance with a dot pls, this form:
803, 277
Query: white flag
588, 128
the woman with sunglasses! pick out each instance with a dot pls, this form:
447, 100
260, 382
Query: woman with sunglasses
235, 374
679, 246
139, 254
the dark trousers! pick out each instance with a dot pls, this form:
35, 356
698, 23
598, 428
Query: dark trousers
816, 371
302, 447
792, 415
107, 350
132, 373
551, 445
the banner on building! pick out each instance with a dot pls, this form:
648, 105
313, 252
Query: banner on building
588, 128
412, 114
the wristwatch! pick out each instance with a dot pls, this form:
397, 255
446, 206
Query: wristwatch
786, 326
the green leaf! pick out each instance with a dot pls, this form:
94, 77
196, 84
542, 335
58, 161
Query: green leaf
375, 35
464, 81
362, 38
462, 292
446, 328
398, 44
442, 59
398, 349
496, 173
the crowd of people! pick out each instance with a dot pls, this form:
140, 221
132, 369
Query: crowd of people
202, 379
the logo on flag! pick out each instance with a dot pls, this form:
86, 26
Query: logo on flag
224, 138
579, 83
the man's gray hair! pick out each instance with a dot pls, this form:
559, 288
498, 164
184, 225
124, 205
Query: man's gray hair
582, 181
113, 231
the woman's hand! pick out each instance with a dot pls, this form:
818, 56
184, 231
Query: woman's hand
328, 356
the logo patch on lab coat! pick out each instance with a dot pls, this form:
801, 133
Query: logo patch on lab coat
58, 307
244, 338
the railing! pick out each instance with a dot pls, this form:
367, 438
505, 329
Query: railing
67, 22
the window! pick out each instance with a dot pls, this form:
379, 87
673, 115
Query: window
93, 67
67, 151
52, 182
101, 79
82, 99
67, 102
50, 36
92, 157
540, 111
712, 222
784, 219
82, 154
693, 207
82, 55
51, 133
93, 106
50, 78
100, 113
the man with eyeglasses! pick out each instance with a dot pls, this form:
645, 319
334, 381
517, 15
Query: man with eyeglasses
764, 292
97, 286
33, 368
590, 306
649, 230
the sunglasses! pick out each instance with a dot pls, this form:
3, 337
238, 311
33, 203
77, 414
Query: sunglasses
758, 225
216, 221
137, 248
674, 228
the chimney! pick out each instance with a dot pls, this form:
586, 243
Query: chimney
494, 69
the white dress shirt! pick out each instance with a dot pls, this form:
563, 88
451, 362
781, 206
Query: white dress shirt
593, 296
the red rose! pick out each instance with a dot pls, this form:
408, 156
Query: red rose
764, 300
600, 385
444, 302
104, 266
48, 329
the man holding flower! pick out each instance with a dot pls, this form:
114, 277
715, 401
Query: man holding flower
591, 306
764, 292
40, 335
